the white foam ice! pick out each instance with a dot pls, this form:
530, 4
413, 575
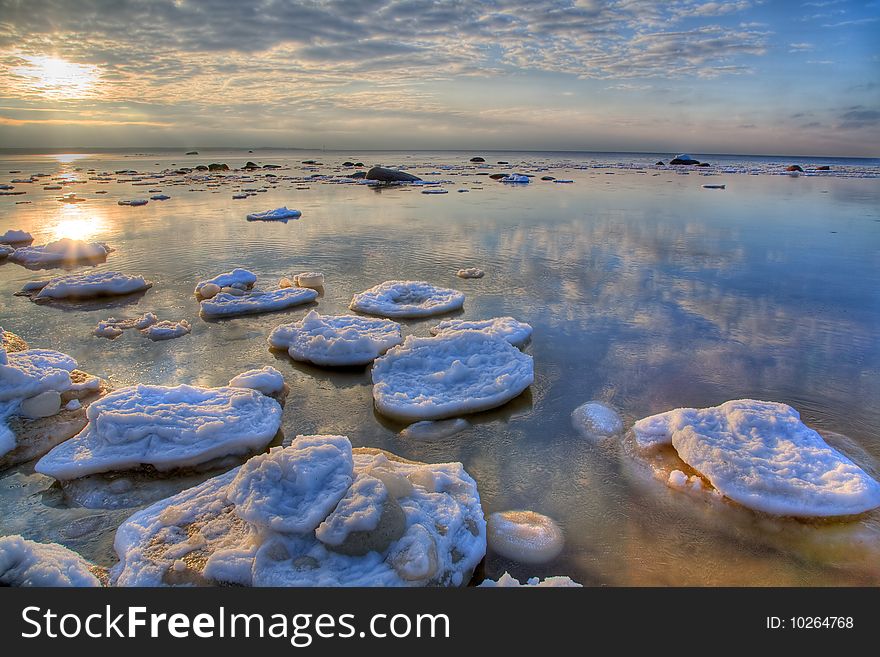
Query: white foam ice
230, 305
113, 327
524, 536
6, 251
240, 278
63, 251
267, 380
336, 340
435, 429
508, 581
13, 236
278, 214
91, 284
470, 272
762, 456
407, 299
515, 178
449, 375
317, 513
596, 421
516, 333
28, 563
166, 428
166, 330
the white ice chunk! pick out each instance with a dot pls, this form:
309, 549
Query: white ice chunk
30, 372
407, 299
238, 277
92, 284
312, 279
516, 333
15, 237
463, 372
267, 380
508, 581
278, 214
470, 272
595, 420
359, 510
336, 340
294, 489
230, 305
166, 330
61, 251
515, 178
27, 563
524, 536
165, 427
435, 429
113, 328
761, 455
6, 250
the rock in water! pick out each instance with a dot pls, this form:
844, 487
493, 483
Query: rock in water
390, 175
762, 456
478, 159
46, 404
683, 159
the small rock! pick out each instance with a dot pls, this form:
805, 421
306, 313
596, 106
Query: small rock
285, 282
390, 175
794, 167
478, 159
234, 291
209, 291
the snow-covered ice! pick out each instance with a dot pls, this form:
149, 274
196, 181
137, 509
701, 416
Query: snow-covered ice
165, 427
449, 375
336, 340
267, 380
113, 327
515, 178
166, 330
16, 237
407, 299
278, 214
317, 513
508, 581
312, 279
63, 251
516, 333
596, 421
27, 563
91, 284
230, 305
470, 272
435, 429
524, 536
6, 251
762, 456
238, 277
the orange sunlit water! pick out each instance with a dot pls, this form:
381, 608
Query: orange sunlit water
78, 223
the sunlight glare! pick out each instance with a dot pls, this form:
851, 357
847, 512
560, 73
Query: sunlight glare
56, 77
77, 223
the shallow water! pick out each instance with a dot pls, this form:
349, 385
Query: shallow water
645, 291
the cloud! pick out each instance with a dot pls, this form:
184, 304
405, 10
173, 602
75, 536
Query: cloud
859, 117
800, 47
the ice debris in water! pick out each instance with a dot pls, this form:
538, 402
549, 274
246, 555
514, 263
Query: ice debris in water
242, 279
167, 330
470, 272
16, 237
63, 251
93, 284
762, 456
455, 374
336, 340
516, 333
278, 214
165, 427
267, 380
596, 421
6, 250
524, 536
113, 328
312, 279
435, 429
317, 513
407, 299
27, 563
227, 304
508, 581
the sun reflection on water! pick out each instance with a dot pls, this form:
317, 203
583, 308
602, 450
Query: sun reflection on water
77, 223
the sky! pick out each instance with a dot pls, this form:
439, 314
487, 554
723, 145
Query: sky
782, 77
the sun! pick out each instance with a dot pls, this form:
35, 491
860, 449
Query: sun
56, 77
77, 223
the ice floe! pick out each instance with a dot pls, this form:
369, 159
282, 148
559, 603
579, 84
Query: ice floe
112, 328
449, 375
6, 251
278, 214
596, 421
27, 563
336, 340
470, 272
267, 380
508, 581
316, 513
762, 456
91, 284
515, 178
226, 304
16, 237
516, 333
407, 299
60, 252
166, 428
435, 429
312, 279
242, 279
133, 202
524, 536
166, 330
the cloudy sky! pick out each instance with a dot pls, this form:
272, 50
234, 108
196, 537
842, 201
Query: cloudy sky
744, 76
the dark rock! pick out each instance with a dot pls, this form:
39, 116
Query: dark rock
359, 164
502, 162
201, 167
547, 178
218, 167
358, 175
824, 167
703, 164
348, 164
660, 164
271, 166
679, 161
192, 153
498, 176
793, 167
309, 162
481, 174
251, 165
390, 175
478, 159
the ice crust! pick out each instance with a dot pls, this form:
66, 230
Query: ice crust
516, 333
27, 563
407, 299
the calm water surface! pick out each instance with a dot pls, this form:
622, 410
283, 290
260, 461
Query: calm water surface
644, 290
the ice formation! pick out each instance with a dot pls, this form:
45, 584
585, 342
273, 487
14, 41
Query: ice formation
450, 375
63, 251
470, 272
596, 421
92, 284
524, 536
336, 340
278, 214
230, 305
167, 330
133, 202
516, 333
508, 581
113, 328
762, 456
6, 250
27, 563
165, 427
515, 178
312, 279
15, 237
407, 299
435, 429
267, 380
317, 513
242, 279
